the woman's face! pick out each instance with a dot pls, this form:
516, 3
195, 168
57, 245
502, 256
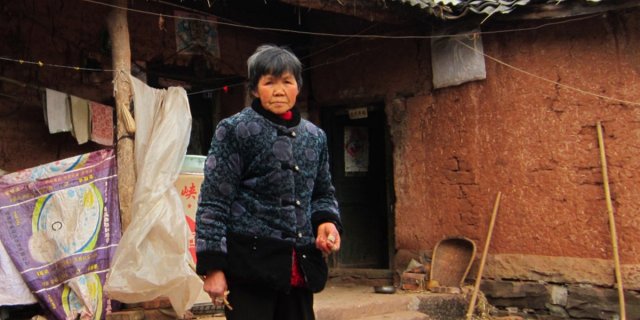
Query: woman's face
277, 94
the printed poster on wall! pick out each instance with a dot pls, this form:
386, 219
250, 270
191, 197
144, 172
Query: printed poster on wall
60, 226
356, 150
196, 34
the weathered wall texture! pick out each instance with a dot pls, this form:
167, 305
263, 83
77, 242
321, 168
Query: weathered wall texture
454, 148
33, 33
75, 34
534, 141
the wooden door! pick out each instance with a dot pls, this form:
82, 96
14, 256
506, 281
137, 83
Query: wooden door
360, 166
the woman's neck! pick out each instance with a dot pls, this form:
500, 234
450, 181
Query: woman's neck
289, 119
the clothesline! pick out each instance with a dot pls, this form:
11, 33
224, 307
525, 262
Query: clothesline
26, 85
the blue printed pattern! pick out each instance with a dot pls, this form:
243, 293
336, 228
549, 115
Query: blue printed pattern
266, 180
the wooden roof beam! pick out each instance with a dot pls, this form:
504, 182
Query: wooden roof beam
375, 11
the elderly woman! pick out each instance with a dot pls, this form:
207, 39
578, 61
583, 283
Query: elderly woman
267, 210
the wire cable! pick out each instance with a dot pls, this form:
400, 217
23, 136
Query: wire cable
352, 36
42, 64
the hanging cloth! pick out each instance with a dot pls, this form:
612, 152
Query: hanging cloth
101, 123
43, 101
80, 119
58, 115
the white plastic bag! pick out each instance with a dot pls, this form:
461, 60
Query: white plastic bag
152, 259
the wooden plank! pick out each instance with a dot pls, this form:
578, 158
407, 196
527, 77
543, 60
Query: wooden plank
374, 11
566, 10
390, 12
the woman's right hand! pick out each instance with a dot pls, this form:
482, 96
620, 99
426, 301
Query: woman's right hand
215, 284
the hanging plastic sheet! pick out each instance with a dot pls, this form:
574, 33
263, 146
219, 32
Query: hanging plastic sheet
153, 258
59, 224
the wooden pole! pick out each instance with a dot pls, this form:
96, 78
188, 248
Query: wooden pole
476, 287
125, 127
612, 223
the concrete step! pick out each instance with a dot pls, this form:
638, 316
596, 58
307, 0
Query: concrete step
360, 302
347, 303
401, 315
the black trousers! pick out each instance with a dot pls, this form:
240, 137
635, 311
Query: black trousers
260, 303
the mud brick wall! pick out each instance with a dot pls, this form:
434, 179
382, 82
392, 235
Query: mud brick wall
74, 33
455, 148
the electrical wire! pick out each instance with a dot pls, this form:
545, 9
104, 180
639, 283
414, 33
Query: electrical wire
42, 64
351, 36
304, 70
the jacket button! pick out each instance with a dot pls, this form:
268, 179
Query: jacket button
293, 133
297, 202
254, 248
299, 234
296, 168
304, 256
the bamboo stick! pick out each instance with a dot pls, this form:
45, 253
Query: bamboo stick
612, 223
476, 287
121, 55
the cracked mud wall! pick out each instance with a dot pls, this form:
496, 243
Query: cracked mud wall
455, 148
533, 140
75, 35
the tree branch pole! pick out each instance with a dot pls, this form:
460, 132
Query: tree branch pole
612, 223
476, 287
125, 127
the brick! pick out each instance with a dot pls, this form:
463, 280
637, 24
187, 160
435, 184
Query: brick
413, 281
137, 314
158, 303
448, 290
160, 314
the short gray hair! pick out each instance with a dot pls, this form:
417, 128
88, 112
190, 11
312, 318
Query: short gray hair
270, 59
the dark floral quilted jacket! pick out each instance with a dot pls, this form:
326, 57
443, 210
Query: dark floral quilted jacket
267, 187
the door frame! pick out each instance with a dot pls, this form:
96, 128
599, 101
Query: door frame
327, 114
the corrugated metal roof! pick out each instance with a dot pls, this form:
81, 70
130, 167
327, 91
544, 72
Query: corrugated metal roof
453, 9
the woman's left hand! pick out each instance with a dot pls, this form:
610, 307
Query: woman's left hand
328, 239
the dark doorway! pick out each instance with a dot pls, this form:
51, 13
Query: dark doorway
203, 107
204, 90
361, 169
